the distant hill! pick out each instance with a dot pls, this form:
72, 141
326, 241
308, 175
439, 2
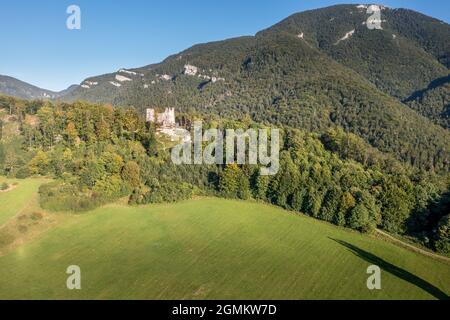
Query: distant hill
19, 89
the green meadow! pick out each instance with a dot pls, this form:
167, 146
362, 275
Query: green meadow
206, 249
21, 196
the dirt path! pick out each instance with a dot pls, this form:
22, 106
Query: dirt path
412, 247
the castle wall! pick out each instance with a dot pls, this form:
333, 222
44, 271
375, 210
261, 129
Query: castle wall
165, 119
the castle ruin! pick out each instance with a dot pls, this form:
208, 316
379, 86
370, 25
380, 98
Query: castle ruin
166, 123
165, 119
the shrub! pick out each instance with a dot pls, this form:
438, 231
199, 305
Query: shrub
22, 228
6, 238
58, 196
40, 163
111, 187
36, 216
4, 186
23, 173
161, 193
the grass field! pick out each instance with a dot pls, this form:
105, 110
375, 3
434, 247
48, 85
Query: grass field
210, 249
19, 198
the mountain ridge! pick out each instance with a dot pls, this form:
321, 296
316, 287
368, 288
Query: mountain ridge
17, 88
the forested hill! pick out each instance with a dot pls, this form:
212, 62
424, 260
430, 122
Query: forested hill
16, 88
409, 52
278, 79
98, 154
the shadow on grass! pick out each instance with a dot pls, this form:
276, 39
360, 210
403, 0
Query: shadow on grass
394, 270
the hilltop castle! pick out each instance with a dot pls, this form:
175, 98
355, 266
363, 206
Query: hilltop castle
166, 123
165, 119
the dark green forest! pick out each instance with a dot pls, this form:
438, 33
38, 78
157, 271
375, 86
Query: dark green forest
310, 83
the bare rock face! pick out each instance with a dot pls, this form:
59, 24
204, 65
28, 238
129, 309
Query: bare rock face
190, 70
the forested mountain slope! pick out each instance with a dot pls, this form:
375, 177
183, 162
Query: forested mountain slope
433, 101
409, 51
279, 79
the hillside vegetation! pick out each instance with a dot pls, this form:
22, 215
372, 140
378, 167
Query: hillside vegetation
433, 101
410, 50
98, 154
298, 73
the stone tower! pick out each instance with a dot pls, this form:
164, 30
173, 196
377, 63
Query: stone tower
150, 115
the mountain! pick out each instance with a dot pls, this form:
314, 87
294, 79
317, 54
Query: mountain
410, 50
16, 88
314, 70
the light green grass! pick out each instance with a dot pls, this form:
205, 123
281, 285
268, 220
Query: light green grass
14, 201
213, 249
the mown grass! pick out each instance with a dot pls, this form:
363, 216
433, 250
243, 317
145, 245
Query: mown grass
213, 249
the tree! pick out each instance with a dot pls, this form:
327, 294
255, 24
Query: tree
286, 181
313, 202
228, 181
47, 124
396, 208
347, 203
243, 191
110, 187
330, 204
442, 243
261, 187
40, 163
91, 172
359, 218
298, 199
71, 133
149, 142
131, 174
2, 157
112, 162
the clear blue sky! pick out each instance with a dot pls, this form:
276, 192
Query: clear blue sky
39, 49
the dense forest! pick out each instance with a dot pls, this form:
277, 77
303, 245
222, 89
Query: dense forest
433, 102
98, 154
282, 80
410, 50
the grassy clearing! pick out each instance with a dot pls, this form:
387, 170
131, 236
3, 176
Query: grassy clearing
213, 249
18, 198
21, 217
